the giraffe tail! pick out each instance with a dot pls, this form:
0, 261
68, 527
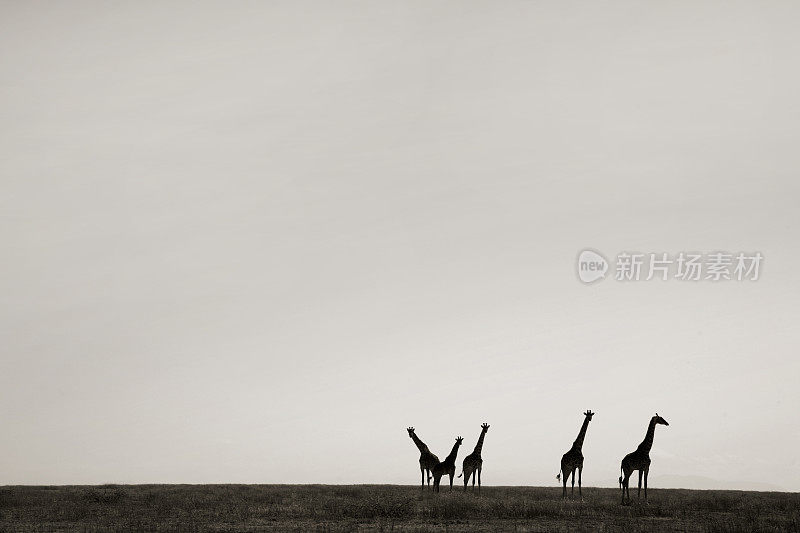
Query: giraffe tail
462, 473
620, 476
558, 476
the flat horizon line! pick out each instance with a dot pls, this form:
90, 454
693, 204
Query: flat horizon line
365, 485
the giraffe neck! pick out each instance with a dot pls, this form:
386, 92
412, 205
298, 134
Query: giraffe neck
479, 446
452, 457
420, 445
578, 444
647, 443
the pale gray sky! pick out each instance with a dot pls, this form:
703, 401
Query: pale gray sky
253, 242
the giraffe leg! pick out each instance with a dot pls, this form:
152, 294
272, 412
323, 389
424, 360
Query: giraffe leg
474, 475
479, 479
564, 493
451, 480
639, 492
580, 471
625, 487
645, 483
422, 472
466, 479
572, 493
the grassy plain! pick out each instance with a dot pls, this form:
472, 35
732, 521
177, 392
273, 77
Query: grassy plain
384, 508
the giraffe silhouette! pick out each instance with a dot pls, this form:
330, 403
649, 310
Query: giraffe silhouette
573, 459
448, 466
427, 460
639, 460
473, 463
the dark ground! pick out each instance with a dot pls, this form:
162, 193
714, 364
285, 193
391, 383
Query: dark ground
385, 508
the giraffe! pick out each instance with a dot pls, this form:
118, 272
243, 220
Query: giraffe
573, 459
639, 460
473, 463
427, 460
448, 466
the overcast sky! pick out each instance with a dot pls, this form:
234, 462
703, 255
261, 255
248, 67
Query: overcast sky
253, 242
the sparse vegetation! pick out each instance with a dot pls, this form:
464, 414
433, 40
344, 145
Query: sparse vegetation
384, 508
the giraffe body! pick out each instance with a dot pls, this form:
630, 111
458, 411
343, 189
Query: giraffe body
427, 460
573, 459
473, 463
639, 459
448, 466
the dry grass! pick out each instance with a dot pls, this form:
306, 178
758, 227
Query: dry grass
385, 508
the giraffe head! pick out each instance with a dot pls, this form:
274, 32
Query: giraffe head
459, 440
659, 420
485, 427
410, 432
588, 414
